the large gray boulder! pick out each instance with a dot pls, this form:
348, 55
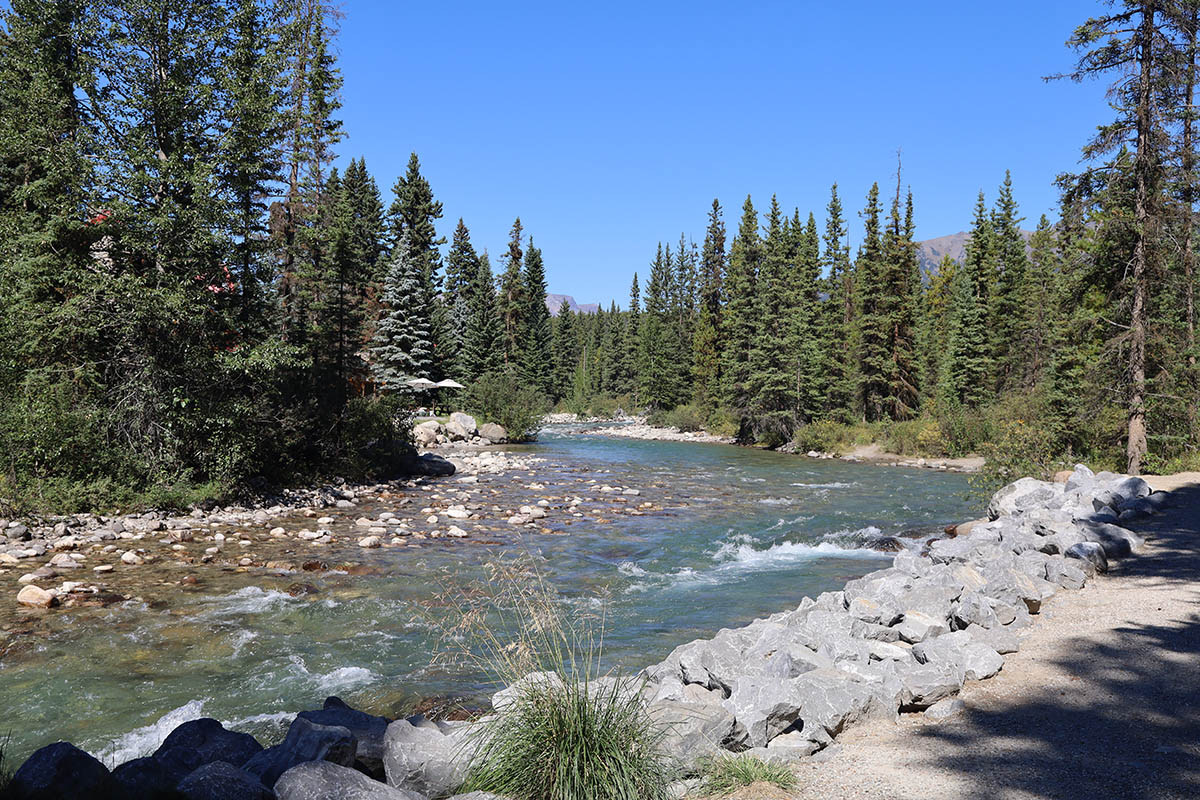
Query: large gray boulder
461, 426
368, 730
974, 659
61, 770
1117, 542
424, 760
1091, 553
691, 731
221, 780
1023, 495
493, 433
1114, 493
210, 742
425, 434
925, 684
305, 741
324, 780
763, 707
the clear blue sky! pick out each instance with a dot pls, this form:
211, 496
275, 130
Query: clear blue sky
608, 127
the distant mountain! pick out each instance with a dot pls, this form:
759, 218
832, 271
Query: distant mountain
554, 302
932, 251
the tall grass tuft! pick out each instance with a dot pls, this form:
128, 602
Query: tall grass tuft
725, 774
565, 731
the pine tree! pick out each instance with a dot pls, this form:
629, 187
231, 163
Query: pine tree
462, 268
630, 374
251, 158
771, 379
659, 353
415, 212
1010, 336
566, 351
402, 348
512, 301
872, 330
483, 341
838, 319
706, 342
536, 357
964, 369
807, 341
738, 322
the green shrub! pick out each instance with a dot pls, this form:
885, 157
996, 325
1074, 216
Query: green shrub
917, 437
722, 422
726, 774
567, 737
823, 436
502, 399
688, 418
605, 406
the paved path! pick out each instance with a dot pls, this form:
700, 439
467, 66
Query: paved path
1103, 701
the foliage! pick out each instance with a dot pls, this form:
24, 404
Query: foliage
569, 731
503, 399
725, 774
686, 418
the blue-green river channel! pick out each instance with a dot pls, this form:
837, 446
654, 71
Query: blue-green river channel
730, 534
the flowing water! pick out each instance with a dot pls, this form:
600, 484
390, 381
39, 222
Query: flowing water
732, 534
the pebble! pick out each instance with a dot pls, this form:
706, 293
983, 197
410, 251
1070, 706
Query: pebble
36, 597
103, 568
369, 541
130, 557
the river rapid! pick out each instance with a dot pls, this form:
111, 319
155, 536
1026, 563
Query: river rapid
728, 534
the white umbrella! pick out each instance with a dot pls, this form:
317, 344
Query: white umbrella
449, 384
421, 383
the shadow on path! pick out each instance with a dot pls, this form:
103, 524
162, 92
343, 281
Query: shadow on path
1127, 722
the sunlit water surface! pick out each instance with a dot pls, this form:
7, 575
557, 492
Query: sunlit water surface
735, 534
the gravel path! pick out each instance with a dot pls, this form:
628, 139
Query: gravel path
1102, 701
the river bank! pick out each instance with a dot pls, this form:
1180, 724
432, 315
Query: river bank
728, 532
1099, 702
897, 650
639, 428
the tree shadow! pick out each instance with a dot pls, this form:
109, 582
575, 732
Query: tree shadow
1126, 724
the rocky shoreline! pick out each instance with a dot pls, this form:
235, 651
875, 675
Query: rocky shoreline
639, 428
899, 640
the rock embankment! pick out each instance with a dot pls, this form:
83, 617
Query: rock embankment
459, 428
899, 640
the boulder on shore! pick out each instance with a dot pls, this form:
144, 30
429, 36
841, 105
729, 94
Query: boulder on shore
324, 780
61, 770
220, 780
493, 433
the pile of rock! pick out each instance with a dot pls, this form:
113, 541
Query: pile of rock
899, 639
459, 428
335, 752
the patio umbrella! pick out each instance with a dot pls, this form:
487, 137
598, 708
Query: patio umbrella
449, 384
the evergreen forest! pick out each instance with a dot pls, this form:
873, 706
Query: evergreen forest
197, 300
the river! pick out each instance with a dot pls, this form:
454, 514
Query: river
729, 534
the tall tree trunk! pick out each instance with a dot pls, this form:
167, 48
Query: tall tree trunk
1135, 448
1188, 168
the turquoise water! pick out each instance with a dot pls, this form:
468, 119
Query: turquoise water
732, 534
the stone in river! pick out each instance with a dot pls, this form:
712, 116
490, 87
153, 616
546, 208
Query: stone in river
369, 541
36, 597
131, 558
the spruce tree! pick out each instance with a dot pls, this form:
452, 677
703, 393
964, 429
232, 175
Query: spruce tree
566, 351
808, 341
536, 357
838, 319
415, 212
771, 379
402, 348
1009, 317
483, 340
512, 302
462, 268
872, 329
706, 342
738, 322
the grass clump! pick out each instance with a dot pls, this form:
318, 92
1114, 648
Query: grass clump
725, 774
567, 731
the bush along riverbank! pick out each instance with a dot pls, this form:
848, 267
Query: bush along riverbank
899, 640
